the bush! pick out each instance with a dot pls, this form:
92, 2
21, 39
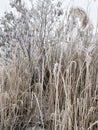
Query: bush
49, 80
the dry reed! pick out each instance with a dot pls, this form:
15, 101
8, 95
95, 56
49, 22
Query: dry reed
58, 91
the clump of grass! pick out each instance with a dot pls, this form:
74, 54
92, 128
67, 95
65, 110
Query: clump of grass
59, 90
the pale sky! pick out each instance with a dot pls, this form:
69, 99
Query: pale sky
4, 6
89, 6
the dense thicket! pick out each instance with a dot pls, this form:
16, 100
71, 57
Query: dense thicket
48, 69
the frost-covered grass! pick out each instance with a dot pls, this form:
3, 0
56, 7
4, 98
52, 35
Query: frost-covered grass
58, 89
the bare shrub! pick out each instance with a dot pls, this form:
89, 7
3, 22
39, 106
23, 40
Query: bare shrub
56, 89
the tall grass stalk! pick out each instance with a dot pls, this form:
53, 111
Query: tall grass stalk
57, 92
